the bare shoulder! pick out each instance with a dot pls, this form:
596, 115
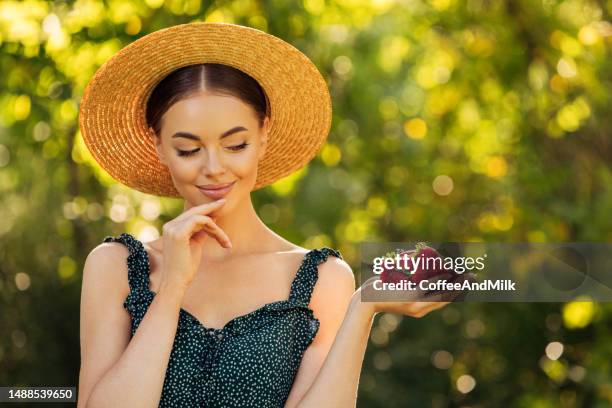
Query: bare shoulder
335, 283
106, 267
336, 272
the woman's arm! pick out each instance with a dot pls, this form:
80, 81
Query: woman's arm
116, 371
337, 381
330, 300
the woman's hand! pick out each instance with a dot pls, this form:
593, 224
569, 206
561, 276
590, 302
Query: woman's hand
417, 302
182, 242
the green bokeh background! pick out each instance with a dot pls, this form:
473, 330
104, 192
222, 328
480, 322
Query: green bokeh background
453, 121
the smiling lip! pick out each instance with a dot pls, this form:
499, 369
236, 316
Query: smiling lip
216, 191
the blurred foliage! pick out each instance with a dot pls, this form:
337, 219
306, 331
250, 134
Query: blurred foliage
453, 120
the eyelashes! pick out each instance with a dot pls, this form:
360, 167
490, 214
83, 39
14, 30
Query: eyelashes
184, 153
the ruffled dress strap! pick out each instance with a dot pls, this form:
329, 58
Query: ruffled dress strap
138, 262
308, 273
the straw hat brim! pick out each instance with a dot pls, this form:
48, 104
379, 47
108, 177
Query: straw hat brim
112, 112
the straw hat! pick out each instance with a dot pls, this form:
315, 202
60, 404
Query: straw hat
112, 112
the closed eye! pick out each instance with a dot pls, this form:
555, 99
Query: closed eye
191, 152
238, 147
187, 152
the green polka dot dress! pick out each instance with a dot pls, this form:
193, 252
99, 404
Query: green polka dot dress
250, 362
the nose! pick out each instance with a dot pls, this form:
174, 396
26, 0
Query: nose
213, 166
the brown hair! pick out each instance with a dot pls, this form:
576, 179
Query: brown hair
217, 78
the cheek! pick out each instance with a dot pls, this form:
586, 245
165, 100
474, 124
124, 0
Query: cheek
183, 169
244, 165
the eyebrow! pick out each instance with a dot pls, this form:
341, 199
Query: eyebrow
191, 136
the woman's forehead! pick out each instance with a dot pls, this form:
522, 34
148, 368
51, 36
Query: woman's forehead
208, 114
209, 105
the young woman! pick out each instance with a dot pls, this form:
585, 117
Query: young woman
220, 310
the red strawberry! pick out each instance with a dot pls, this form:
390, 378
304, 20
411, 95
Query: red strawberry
408, 265
392, 274
435, 267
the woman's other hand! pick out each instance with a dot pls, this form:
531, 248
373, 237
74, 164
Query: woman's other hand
418, 302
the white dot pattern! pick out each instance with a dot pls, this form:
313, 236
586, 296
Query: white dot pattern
252, 361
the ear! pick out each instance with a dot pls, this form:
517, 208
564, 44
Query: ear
263, 139
158, 145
